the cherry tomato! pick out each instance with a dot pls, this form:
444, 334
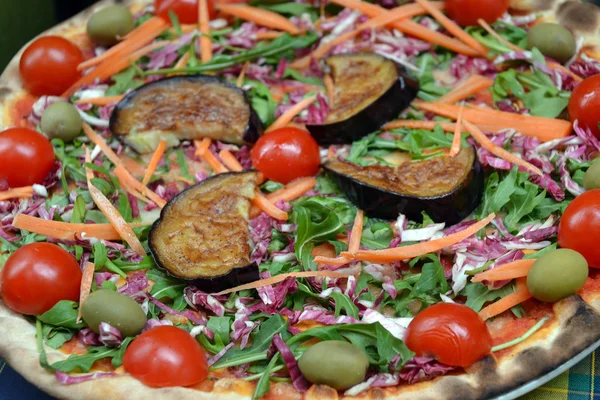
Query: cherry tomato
467, 12
585, 103
452, 333
37, 276
579, 227
285, 154
27, 157
49, 65
166, 356
186, 10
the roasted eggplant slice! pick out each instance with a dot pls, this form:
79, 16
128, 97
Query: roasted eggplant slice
370, 90
448, 189
185, 107
202, 234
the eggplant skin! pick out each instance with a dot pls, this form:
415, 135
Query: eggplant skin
447, 189
370, 91
185, 107
202, 234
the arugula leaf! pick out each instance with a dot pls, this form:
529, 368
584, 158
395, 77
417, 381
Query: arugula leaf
124, 81
261, 100
100, 255
522, 203
84, 362
220, 327
293, 9
478, 294
263, 385
56, 336
124, 207
326, 185
377, 235
165, 286
64, 314
79, 210
432, 276
429, 89
343, 303
296, 75
117, 360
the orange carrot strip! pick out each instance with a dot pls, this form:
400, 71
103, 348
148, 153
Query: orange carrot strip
266, 18
230, 161
202, 146
65, 230
555, 65
86, 285
125, 177
512, 270
203, 21
356, 233
337, 261
126, 186
474, 84
268, 35
417, 124
455, 149
265, 205
25, 192
279, 278
158, 153
96, 139
112, 213
545, 129
330, 88
287, 116
498, 151
496, 36
213, 163
419, 249
100, 101
289, 192
505, 303
183, 60
240, 79
453, 28
136, 39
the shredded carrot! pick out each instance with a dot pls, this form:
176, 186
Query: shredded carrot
356, 233
259, 16
545, 129
289, 192
214, 163
240, 80
505, 303
230, 161
337, 261
86, 285
67, 231
474, 84
416, 250
25, 192
125, 177
417, 124
126, 186
202, 146
455, 149
112, 213
287, 116
265, 205
324, 250
183, 61
96, 139
203, 21
328, 80
136, 39
100, 101
279, 278
496, 36
453, 28
158, 153
512, 270
268, 35
498, 151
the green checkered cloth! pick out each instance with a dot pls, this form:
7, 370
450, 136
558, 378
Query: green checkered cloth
582, 382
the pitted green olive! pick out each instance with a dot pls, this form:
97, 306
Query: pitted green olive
106, 26
557, 274
553, 40
591, 179
61, 120
115, 309
334, 363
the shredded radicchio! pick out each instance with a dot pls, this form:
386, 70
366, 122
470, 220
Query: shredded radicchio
73, 379
109, 335
298, 380
420, 369
88, 337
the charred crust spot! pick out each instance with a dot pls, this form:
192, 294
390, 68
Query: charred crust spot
485, 369
454, 388
577, 16
318, 392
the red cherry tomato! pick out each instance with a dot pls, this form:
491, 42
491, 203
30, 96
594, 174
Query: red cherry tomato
26, 157
49, 65
585, 103
37, 276
186, 10
285, 154
579, 227
452, 333
166, 356
467, 12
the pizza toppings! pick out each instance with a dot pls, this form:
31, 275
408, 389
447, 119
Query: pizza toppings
553, 40
591, 179
334, 363
180, 108
108, 25
166, 356
113, 308
580, 226
467, 12
584, 104
185, 10
216, 210
27, 157
61, 120
369, 90
37, 276
452, 333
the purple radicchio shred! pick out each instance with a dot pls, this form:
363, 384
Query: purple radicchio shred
67, 379
298, 380
220, 354
378, 380
153, 323
420, 369
272, 298
187, 313
260, 234
242, 327
585, 67
109, 335
135, 287
135, 208
87, 336
197, 298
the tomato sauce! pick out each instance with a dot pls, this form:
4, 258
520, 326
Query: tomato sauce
20, 110
591, 287
73, 346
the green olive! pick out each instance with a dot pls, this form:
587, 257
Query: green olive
334, 363
106, 26
557, 274
591, 179
553, 40
61, 120
115, 309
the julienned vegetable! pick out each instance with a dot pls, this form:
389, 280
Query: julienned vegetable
447, 188
185, 107
217, 211
370, 91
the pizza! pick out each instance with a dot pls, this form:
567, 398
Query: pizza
286, 200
